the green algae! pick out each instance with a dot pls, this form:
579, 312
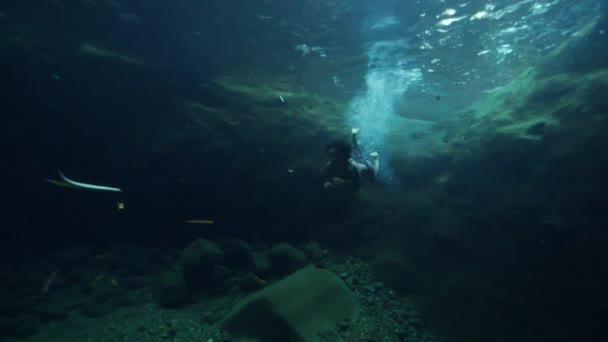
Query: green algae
91, 49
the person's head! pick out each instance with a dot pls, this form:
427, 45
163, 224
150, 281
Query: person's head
338, 150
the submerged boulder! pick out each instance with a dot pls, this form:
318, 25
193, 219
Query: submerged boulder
237, 253
201, 255
285, 258
204, 267
297, 308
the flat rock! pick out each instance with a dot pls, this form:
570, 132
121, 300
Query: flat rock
297, 308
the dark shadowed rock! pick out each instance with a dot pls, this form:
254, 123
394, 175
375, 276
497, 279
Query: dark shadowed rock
172, 290
237, 253
201, 255
202, 263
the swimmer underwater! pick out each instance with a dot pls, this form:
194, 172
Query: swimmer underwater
343, 171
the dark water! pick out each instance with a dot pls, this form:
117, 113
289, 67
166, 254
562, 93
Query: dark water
496, 232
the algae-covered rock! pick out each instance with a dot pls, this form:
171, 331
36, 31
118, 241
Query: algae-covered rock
202, 254
202, 263
297, 308
285, 258
172, 290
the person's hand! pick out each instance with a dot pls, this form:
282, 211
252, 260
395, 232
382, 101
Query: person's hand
328, 185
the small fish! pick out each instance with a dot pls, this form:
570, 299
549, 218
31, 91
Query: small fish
49, 281
88, 186
114, 282
437, 97
282, 99
200, 221
120, 205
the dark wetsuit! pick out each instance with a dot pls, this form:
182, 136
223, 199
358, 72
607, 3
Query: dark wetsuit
348, 173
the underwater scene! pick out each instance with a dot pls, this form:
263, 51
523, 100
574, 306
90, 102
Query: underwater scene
304, 170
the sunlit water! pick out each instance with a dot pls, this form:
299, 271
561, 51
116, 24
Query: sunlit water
387, 79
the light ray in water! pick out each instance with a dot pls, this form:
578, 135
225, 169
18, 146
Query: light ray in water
387, 80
